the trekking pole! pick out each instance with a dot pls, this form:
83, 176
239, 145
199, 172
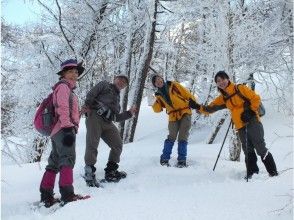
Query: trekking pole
222, 145
246, 147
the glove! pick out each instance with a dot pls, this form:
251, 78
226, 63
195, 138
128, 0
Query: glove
193, 104
69, 137
247, 115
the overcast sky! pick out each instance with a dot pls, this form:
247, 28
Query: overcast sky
18, 12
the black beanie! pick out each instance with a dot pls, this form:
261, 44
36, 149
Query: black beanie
222, 74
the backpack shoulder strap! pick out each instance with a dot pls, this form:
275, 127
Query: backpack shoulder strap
240, 94
227, 97
177, 91
70, 96
70, 104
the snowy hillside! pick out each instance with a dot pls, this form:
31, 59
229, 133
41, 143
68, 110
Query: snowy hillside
153, 192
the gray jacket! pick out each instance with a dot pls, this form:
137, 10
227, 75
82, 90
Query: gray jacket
106, 96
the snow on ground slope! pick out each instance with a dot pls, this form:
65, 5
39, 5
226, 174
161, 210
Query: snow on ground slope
152, 192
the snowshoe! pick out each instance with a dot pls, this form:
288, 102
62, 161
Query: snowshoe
47, 203
73, 198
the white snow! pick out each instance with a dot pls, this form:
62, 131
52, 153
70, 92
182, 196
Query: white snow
152, 192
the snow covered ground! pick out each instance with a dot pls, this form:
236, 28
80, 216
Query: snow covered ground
152, 192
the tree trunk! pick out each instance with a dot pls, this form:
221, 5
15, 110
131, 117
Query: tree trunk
142, 78
231, 43
218, 127
235, 146
124, 107
39, 146
126, 70
235, 143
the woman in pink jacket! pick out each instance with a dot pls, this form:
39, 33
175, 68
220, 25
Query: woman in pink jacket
63, 156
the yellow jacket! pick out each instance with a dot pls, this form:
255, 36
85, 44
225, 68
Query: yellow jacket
235, 104
179, 97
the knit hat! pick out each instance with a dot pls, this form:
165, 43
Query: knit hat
71, 64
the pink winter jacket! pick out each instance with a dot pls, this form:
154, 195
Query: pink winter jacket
61, 96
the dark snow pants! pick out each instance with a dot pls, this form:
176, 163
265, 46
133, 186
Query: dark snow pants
252, 137
97, 128
62, 159
61, 155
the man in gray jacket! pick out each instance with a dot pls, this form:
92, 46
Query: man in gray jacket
102, 107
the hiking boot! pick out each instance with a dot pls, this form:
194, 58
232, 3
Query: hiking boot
250, 174
68, 195
115, 176
251, 164
47, 198
273, 173
72, 198
112, 174
164, 163
50, 202
93, 183
181, 164
90, 177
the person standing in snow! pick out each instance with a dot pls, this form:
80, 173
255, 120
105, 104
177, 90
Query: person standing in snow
102, 107
175, 99
62, 157
246, 119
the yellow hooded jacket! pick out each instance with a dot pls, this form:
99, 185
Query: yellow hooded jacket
179, 97
235, 104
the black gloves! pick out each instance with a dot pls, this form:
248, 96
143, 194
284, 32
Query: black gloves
69, 137
247, 115
193, 104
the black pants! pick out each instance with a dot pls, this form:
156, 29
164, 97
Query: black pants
252, 137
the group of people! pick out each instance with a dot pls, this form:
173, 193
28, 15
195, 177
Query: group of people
102, 108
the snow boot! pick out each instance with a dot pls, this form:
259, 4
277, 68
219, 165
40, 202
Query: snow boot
164, 163
47, 197
270, 165
112, 174
68, 195
251, 165
90, 177
166, 152
181, 164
